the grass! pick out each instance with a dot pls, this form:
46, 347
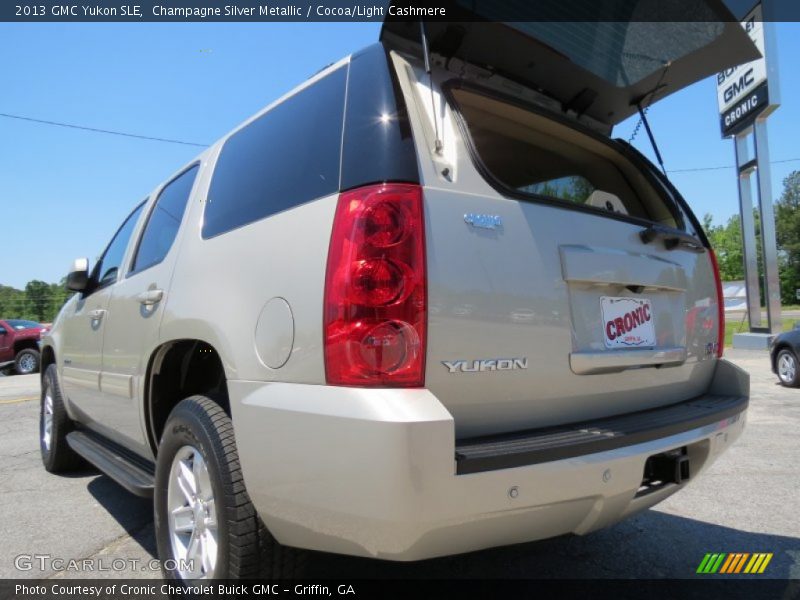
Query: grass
732, 327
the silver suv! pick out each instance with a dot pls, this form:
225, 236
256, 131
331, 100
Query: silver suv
423, 304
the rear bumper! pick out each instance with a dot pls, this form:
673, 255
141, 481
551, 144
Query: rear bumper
373, 472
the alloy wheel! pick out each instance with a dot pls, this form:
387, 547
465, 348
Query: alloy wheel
192, 514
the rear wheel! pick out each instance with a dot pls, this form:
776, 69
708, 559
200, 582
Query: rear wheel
206, 525
788, 372
26, 361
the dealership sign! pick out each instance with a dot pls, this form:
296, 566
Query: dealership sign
743, 91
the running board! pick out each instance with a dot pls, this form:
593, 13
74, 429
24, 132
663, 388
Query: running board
134, 475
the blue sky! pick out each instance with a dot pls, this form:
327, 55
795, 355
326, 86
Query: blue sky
63, 192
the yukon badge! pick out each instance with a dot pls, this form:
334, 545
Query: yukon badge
484, 221
491, 364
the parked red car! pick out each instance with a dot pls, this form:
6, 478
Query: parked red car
19, 344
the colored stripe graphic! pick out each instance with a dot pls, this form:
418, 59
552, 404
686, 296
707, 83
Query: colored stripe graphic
741, 562
765, 563
734, 562
711, 562
703, 563
731, 560
758, 563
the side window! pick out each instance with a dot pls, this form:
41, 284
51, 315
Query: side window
164, 221
286, 157
377, 145
108, 266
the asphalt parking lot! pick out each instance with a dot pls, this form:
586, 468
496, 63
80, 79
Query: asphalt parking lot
747, 502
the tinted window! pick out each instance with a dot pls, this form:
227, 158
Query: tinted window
378, 145
288, 156
527, 153
623, 53
108, 266
164, 221
573, 188
23, 324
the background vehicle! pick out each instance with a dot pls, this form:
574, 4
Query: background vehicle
19, 345
556, 388
783, 354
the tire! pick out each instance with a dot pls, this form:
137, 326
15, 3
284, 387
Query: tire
787, 368
199, 435
26, 361
57, 456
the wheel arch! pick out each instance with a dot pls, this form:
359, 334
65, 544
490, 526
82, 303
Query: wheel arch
25, 344
777, 350
48, 357
176, 370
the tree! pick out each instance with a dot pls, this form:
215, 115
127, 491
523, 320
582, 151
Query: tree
37, 294
39, 301
787, 231
726, 240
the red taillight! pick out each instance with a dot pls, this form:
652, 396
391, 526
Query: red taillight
375, 306
720, 304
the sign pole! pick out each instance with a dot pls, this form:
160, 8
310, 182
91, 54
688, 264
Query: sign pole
746, 95
745, 168
769, 245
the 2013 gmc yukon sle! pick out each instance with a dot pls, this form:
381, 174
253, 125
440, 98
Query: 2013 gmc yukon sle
421, 305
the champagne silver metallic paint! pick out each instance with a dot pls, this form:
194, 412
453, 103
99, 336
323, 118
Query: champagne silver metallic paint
371, 472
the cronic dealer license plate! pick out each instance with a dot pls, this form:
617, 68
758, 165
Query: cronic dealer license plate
627, 322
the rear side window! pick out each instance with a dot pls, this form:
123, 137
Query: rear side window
378, 145
527, 154
164, 221
286, 157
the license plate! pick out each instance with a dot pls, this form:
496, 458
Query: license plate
627, 322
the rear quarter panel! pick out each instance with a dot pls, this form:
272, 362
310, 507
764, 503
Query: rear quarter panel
220, 286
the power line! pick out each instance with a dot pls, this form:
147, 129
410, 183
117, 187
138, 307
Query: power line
774, 162
96, 130
170, 141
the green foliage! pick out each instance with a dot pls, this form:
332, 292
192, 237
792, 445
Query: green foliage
572, 188
727, 241
39, 301
787, 231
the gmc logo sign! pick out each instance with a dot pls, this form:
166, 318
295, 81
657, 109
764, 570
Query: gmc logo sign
738, 86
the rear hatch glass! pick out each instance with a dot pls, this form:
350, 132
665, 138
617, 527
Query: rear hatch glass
527, 154
574, 53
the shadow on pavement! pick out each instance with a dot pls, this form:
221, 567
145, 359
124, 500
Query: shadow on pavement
134, 514
649, 546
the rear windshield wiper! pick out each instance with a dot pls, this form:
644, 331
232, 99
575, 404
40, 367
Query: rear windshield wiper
674, 239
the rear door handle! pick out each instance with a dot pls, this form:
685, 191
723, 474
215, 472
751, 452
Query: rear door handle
97, 314
151, 297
